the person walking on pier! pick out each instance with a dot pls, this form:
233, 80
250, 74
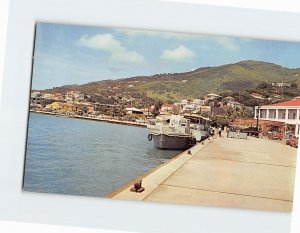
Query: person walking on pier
227, 131
220, 131
214, 131
238, 133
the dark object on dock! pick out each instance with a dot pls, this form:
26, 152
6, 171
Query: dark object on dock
137, 187
189, 152
251, 131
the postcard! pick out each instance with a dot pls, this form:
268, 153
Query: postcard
165, 117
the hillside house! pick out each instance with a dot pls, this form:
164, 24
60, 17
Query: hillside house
281, 84
212, 96
47, 96
229, 98
74, 96
206, 109
148, 111
168, 109
257, 96
190, 105
234, 104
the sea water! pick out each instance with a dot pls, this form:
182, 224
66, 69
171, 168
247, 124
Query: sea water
82, 157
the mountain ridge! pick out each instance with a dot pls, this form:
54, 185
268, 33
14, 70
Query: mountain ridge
196, 83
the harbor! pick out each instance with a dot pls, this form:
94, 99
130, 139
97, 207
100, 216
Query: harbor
220, 171
95, 118
252, 173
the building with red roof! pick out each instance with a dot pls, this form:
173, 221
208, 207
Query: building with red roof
287, 112
168, 109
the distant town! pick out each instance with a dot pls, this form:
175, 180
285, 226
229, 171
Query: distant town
236, 108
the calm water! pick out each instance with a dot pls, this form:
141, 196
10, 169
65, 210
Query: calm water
80, 157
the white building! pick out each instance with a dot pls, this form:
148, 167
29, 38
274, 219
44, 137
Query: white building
212, 96
47, 95
35, 94
287, 112
133, 111
282, 84
234, 104
190, 105
74, 95
198, 101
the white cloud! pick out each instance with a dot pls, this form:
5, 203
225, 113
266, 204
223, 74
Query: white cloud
101, 41
107, 42
228, 43
127, 57
180, 54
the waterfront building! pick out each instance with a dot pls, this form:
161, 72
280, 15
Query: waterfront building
35, 94
287, 112
133, 111
55, 106
148, 111
47, 108
264, 126
59, 106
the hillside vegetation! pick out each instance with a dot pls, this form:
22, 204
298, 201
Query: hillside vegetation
176, 86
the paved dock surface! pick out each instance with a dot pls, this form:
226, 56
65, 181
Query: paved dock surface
224, 172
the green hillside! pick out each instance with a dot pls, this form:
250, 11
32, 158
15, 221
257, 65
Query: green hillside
194, 84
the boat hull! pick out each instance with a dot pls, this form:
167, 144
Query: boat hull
173, 142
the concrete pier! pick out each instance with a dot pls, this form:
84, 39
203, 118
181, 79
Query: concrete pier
224, 172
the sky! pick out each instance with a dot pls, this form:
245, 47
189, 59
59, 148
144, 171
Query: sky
69, 54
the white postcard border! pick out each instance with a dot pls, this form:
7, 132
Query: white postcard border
106, 213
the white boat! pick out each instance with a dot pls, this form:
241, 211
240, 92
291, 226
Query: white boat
173, 135
199, 129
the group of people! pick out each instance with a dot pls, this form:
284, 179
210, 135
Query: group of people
219, 131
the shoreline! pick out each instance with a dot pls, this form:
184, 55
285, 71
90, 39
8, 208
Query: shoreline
112, 121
